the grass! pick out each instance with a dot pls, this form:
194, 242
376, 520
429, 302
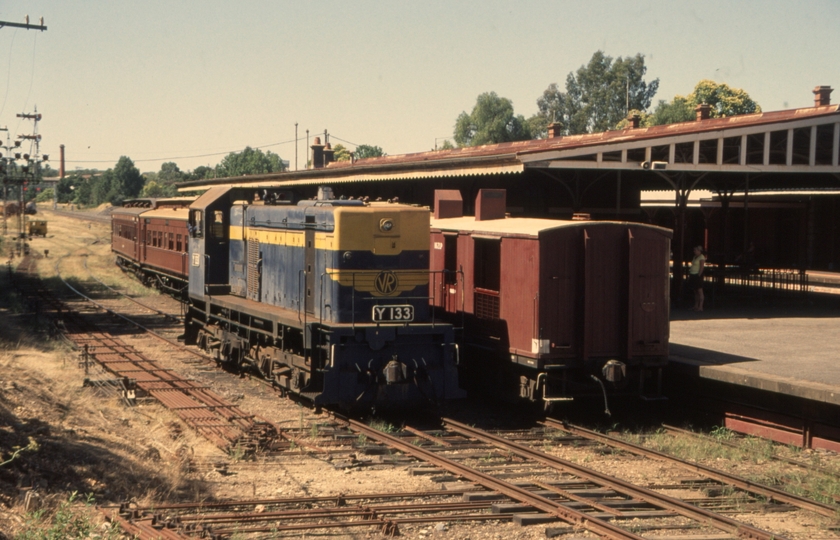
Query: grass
70, 521
754, 454
383, 426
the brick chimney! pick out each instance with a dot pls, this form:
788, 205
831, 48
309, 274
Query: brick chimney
703, 111
634, 120
317, 154
490, 204
329, 154
448, 204
555, 129
822, 96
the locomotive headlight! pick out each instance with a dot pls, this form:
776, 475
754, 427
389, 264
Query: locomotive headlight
386, 224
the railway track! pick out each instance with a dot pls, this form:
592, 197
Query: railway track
488, 476
552, 500
725, 479
383, 512
179, 318
210, 415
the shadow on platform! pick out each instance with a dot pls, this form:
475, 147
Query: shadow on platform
706, 355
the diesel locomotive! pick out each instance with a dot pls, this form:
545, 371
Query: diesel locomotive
327, 298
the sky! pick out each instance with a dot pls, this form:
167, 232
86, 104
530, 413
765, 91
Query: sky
191, 81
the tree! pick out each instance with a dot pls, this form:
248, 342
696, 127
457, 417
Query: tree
341, 153
446, 145
170, 173
200, 173
551, 108
723, 100
249, 161
126, 181
598, 95
83, 193
677, 110
491, 121
102, 189
48, 172
367, 151
67, 186
154, 189
644, 119
45, 196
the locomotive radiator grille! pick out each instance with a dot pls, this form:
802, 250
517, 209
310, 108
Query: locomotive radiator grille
253, 269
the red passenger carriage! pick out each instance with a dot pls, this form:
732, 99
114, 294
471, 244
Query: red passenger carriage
149, 237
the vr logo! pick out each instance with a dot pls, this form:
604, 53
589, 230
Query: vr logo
386, 283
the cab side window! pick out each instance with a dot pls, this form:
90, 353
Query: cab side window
196, 225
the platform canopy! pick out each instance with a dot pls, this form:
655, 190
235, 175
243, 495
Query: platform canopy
790, 149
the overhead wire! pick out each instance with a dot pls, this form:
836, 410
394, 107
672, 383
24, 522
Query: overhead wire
183, 157
31, 80
172, 158
8, 72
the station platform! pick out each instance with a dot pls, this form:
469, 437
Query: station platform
764, 363
790, 351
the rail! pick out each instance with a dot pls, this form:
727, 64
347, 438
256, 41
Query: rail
749, 486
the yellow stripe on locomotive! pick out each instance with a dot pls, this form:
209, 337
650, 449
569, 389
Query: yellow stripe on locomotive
380, 282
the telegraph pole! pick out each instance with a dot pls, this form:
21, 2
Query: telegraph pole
25, 25
31, 168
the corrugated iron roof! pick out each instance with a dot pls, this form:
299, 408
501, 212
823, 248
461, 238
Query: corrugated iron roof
503, 158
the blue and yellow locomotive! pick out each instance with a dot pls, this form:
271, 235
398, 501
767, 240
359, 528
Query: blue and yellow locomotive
327, 298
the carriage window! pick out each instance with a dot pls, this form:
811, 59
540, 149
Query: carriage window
171, 241
178, 244
488, 263
148, 238
218, 228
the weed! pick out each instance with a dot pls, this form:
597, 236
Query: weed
70, 521
237, 453
722, 433
300, 426
31, 447
314, 431
383, 426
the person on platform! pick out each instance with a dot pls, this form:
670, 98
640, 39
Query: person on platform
695, 277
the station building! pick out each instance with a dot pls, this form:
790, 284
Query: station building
771, 180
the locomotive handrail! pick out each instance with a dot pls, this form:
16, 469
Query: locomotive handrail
443, 293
